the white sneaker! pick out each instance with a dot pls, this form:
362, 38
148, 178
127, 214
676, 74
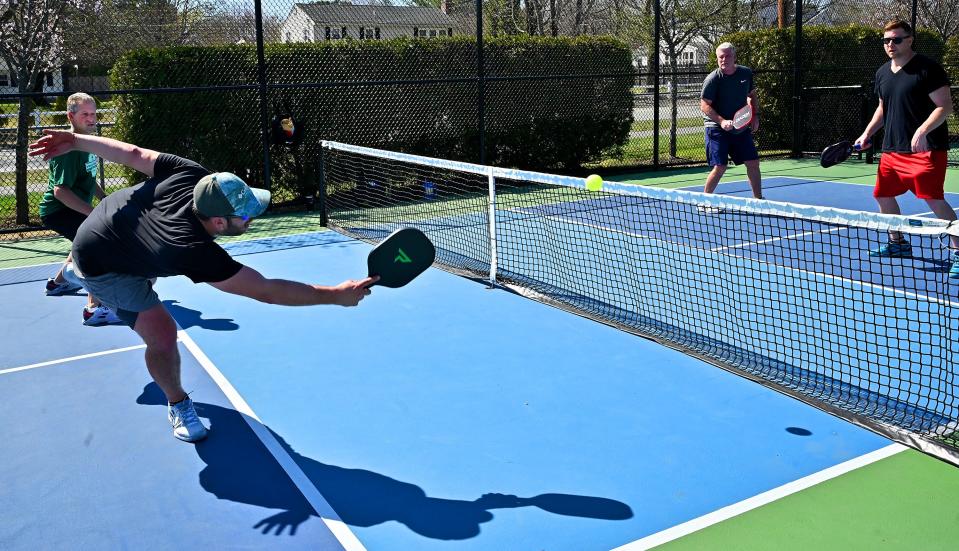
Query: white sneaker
186, 423
95, 316
54, 289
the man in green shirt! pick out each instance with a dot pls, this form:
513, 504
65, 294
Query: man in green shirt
69, 199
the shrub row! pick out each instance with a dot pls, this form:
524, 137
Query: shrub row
548, 105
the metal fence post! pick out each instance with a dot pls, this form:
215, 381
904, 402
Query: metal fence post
103, 180
654, 65
797, 83
915, 8
865, 116
321, 184
264, 93
480, 84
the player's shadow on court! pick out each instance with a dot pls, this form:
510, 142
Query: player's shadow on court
933, 265
186, 318
239, 469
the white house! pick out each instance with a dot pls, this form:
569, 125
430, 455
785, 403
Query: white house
316, 22
696, 52
52, 82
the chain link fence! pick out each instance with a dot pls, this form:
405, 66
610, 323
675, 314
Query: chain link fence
479, 100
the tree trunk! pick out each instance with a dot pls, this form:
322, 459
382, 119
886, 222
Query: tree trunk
24, 123
553, 28
673, 107
37, 86
534, 18
578, 19
517, 8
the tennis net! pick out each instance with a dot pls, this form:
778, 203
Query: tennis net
784, 294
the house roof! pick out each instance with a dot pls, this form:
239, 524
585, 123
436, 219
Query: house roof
387, 15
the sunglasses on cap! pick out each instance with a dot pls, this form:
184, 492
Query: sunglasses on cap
894, 39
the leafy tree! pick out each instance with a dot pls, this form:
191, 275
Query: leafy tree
98, 32
30, 44
235, 25
681, 21
941, 16
738, 15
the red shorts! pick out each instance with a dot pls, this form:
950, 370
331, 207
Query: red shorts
924, 174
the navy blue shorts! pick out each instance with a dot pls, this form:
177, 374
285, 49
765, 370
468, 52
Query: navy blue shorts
720, 145
64, 221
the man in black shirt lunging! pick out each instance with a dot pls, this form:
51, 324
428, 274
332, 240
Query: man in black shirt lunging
164, 227
914, 103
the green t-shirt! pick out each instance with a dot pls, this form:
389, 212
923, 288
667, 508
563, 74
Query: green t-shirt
77, 171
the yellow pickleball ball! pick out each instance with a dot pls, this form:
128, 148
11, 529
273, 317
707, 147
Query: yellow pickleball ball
594, 182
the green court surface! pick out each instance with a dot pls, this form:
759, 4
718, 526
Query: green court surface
907, 502
44, 250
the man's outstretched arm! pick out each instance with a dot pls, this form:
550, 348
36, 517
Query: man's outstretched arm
54, 143
250, 283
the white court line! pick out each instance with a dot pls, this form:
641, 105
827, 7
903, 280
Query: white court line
764, 498
340, 530
803, 234
232, 243
795, 235
337, 527
772, 239
70, 359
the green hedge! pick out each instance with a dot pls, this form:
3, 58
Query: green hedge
218, 129
950, 59
531, 123
832, 56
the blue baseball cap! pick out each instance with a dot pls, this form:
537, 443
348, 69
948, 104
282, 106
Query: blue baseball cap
225, 194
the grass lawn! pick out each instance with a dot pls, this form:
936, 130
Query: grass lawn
646, 125
689, 149
39, 178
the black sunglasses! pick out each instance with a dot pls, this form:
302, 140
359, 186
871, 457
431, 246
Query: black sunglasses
894, 39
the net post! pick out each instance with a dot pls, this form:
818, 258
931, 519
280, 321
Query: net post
321, 184
492, 226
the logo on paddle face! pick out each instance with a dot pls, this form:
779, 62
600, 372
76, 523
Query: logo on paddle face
402, 257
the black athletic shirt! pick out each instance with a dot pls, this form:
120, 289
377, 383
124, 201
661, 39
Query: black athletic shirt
727, 92
150, 230
906, 104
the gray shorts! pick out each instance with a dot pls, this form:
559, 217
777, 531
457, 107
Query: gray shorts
127, 295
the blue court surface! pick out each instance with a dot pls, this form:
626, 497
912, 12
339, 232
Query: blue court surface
443, 415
